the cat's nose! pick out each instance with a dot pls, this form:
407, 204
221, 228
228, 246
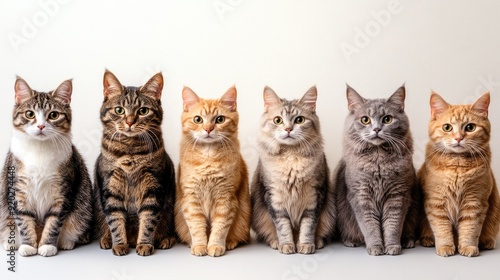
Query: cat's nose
130, 123
41, 127
289, 129
208, 128
376, 129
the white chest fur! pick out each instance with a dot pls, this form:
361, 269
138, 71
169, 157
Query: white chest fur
41, 161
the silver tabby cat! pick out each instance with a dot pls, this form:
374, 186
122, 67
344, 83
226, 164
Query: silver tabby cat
292, 199
375, 180
45, 185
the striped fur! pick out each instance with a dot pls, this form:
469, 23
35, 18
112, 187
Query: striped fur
292, 199
213, 202
49, 183
375, 182
134, 176
461, 198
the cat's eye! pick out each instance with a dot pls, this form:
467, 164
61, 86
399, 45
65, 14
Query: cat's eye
365, 120
53, 115
29, 114
278, 120
470, 127
220, 119
197, 120
387, 119
143, 111
119, 110
300, 120
447, 127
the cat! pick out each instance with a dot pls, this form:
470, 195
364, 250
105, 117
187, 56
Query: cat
461, 199
212, 210
45, 185
376, 188
292, 198
134, 176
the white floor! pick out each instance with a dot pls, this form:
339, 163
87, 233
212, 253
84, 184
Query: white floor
254, 261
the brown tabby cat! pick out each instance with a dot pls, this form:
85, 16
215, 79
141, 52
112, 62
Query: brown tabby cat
134, 176
461, 198
212, 210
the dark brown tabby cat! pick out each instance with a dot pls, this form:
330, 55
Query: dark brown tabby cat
134, 177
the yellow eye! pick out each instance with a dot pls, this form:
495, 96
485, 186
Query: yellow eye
53, 115
143, 111
300, 120
29, 114
278, 120
387, 119
365, 120
119, 110
197, 120
447, 127
470, 127
220, 119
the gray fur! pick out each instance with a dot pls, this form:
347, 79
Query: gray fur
375, 179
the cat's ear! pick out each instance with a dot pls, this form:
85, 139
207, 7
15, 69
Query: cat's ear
63, 92
270, 98
154, 86
111, 84
189, 98
354, 100
481, 105
229, 98
309, 98
438, 105
22, 90
398, 98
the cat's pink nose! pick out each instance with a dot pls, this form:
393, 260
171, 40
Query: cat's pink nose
41, 127
130, 123
288, 129
459, 138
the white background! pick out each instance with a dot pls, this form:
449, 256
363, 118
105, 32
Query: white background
452, 47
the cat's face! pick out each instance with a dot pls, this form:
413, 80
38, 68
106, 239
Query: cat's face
290, 122
42, 116
210, 121
459, 128
132, 111
376, 121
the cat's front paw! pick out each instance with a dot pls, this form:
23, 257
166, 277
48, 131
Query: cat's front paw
216, 250
487, 244
120, 249
468, 251
306, 248
199, 250
392, 250
10, 247
230, 244
167, 243
320, 243
47, 250
105, 243
286, 249
427, 241
144, 249
446, 250
66, 245
27, 250
274, 244
375, 250
408, 243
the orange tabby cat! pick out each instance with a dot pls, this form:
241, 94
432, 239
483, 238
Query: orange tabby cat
212, 210
460, 194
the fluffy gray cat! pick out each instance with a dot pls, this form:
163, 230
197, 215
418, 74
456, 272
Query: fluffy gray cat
375, 181
292, 199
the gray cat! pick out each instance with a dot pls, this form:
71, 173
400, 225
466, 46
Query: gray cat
375, 181
292, 199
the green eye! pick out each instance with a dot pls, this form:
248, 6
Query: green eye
53, 115
365, 120
387, 119
143, 111
220, 119
119, 110
447, 127
278, 120
300, 120
470, 127
29, 114
197, 120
